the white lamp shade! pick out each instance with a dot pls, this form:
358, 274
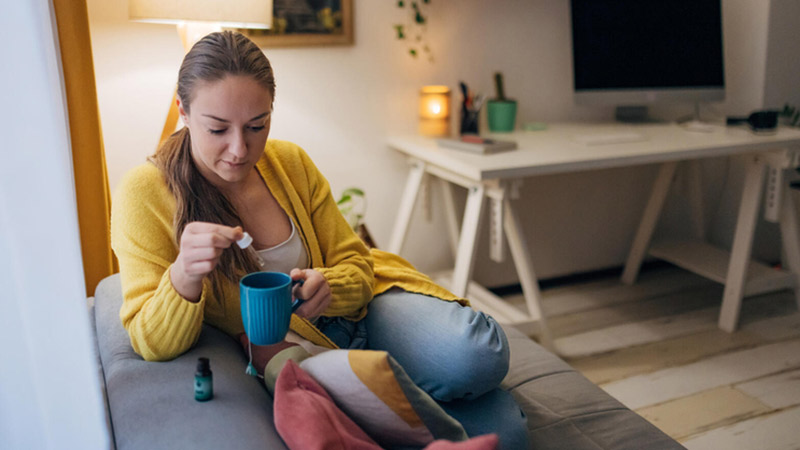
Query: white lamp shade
230, 13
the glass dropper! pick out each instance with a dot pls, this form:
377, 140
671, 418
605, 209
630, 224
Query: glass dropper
246, 244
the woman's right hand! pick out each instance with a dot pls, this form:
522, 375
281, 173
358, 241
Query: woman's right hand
201, 245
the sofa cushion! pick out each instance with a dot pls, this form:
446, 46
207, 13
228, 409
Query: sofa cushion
152, 404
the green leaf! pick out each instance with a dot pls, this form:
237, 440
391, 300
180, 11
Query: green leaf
401, 3
353, 191
413, 52
345, 198
400, 33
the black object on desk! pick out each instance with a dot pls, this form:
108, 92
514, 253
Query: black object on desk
759, 121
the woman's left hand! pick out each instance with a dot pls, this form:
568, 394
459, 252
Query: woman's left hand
315, 291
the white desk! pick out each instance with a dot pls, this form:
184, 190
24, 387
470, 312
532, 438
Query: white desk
558, 150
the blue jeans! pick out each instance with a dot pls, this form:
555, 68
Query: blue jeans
457, 355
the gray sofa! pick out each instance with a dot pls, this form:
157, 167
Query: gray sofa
151, 404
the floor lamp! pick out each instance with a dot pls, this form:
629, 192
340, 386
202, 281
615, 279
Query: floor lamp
195, 19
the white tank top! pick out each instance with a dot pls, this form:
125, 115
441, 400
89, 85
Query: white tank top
287, 255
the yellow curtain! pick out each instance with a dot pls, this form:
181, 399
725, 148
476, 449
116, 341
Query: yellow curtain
88, 155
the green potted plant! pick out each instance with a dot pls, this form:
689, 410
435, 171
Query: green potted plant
353, 204
502, 111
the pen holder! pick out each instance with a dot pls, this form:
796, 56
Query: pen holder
469, 121
502, 115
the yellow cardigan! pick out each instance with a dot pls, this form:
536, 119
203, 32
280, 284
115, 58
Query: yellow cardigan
162, 324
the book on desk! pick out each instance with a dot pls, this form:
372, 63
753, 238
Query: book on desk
479, 145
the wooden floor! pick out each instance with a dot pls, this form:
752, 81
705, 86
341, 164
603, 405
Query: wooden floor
655, 346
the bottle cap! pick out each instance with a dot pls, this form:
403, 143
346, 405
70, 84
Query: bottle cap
245, 241
203, 366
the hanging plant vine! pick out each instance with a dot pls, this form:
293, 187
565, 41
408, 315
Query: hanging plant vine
413, 32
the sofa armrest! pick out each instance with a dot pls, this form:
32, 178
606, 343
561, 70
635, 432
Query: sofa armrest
566, 410
90, 302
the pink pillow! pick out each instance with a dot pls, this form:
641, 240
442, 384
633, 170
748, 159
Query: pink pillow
485, 442
307, 418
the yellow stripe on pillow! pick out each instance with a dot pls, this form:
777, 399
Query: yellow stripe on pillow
373, 369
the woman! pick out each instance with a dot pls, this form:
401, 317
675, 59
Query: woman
174, 221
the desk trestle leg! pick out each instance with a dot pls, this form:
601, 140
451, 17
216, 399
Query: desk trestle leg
649, 221
467, 244
742, 245
450, 214
506, 224
527, 277
409, 199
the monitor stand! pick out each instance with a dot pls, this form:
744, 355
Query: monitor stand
634, 114
694, 123
631, 114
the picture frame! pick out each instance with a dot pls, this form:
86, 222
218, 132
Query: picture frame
303, 23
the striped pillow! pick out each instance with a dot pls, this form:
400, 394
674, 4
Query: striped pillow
306, 417
377, 394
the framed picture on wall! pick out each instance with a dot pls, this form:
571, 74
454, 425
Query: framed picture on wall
300, 23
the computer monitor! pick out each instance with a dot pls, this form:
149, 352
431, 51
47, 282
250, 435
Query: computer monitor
631, 53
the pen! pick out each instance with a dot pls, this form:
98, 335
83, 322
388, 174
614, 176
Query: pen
464, 90
478, 102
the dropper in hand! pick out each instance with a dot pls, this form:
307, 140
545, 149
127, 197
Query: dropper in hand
246, 244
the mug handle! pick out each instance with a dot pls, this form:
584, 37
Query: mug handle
298, 301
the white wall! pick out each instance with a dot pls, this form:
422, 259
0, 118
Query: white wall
782, 78
50, 395
340, 103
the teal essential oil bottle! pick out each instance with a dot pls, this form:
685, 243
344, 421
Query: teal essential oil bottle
203, 381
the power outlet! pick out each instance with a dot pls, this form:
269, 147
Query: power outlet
772, 200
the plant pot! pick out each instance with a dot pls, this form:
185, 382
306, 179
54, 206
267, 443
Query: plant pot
502, 115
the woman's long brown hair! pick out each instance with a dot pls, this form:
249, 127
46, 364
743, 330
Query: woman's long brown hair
211, 59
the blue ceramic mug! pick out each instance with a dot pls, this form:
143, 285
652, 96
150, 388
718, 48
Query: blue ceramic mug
267, 307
